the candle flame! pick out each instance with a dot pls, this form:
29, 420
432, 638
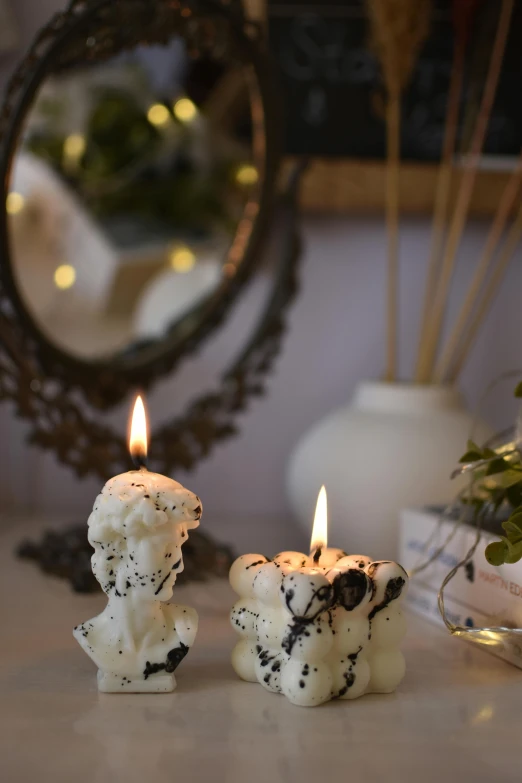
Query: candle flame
138, 438
320, 529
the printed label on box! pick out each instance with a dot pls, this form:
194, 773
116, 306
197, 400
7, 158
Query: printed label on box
479, 595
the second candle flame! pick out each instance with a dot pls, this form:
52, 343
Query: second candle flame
138, 438
320, 529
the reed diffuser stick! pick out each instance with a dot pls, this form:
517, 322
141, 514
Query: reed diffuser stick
393, 125
398, 28
510, 245
464, 196
463, 13
482, 271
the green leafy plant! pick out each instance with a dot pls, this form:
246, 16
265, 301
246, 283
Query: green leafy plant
497, 483
170, 178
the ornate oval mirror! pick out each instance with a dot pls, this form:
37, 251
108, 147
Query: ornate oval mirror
139, 144
140, 151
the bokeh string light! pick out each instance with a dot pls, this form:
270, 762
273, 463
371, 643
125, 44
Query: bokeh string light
184, 110
14, 203
182, 259
246, 174
64, 276
158, 114
74, 147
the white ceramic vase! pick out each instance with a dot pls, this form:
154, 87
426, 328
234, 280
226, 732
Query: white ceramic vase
393, 447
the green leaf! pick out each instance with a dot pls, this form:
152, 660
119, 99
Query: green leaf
496, 553
509, 478
498, 465
514, 495
518, 389
514, 552
473, 452
471, 456
513, 530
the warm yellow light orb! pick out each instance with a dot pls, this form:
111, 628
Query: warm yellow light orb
14, 203
64, 276
74, 146
184, 110
158, 114
247, 174
182, 259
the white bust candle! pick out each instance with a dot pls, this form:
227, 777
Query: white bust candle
319, 627
137, 528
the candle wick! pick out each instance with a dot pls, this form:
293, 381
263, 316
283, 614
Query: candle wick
139, 461
317, 555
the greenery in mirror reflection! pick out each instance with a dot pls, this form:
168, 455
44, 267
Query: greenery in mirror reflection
128, 161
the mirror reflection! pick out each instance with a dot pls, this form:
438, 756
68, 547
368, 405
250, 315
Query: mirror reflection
128, 184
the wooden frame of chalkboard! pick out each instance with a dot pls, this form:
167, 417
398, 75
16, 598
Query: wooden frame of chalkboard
334, 100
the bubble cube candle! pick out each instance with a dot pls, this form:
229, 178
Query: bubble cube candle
319, 627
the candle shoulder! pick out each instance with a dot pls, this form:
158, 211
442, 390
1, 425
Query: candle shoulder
110, 643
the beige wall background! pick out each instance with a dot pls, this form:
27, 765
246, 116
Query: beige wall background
335, 339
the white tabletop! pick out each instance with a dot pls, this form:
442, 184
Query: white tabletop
454, 718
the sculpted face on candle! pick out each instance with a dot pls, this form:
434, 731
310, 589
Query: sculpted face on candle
319, 627
138, 525
137, 529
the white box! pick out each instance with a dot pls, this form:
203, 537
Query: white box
478, 595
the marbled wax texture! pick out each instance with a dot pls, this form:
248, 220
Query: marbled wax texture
316, 631
137, 528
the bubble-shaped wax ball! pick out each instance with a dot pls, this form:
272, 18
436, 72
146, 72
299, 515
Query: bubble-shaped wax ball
352, 630
306, 685
388, 668
308, 640
293, 559
244, 657
352, 587
350, 677
268, 667
243, 617
306, 593
242, 573
330, 556
390, 581
267, 584
354, 561
388, 627
270, 625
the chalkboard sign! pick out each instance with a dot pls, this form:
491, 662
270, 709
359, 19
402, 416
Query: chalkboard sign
333, 88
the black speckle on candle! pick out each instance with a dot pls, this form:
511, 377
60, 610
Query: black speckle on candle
174, 658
